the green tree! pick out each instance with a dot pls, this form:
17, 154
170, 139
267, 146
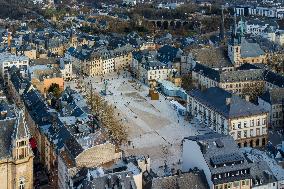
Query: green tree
187, 83
54, 89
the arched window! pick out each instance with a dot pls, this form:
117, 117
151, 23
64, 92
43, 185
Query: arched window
22, 183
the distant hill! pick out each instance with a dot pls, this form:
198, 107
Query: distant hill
14, 8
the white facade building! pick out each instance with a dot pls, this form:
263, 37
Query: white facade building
154, 71
8, 60
66, 69
230, 115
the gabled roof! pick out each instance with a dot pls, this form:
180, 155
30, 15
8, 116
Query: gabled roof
249, 49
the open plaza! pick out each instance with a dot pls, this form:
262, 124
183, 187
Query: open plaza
154, 127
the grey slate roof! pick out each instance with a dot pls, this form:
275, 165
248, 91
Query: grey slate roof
182, 181
115, 180
274, 96
22, 130
6, 132
249, 49
246, 72
241, 75
211, 150
261, 173
73, 147
207, 72
238, 107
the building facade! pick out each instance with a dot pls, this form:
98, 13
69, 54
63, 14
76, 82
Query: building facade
8, 60
230, 115
273, 101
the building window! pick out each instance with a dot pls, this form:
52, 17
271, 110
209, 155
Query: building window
252, 123
245, 134
236, 184
245, 124
239, 125
22, 183
251, 132
258, 122
263, 121
239, 134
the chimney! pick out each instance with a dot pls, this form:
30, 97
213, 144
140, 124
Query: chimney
228, 101
247, 98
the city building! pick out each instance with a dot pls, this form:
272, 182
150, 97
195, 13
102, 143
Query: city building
224, 165
236, 81
43, 76
183, 180
103, 61
66, 69
265, 171
273, 101
16, 157
229, 114
125, 172
8, 60
241, 51
89, 151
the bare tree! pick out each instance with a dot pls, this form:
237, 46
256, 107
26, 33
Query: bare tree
105, 113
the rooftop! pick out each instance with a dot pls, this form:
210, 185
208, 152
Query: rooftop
221, 158
193, 179
237, 107
8, 57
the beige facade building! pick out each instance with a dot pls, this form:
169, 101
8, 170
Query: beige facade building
229, 114
16, 161
236, 81
105, 61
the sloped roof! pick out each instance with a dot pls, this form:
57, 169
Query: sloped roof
237, 107
6, 132
22, 130
249, 49
274, 96
182, 181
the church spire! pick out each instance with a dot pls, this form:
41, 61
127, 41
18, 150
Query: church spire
22, 130
21, 146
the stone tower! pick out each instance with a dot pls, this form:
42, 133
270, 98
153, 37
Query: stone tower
22, 155
16, 157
